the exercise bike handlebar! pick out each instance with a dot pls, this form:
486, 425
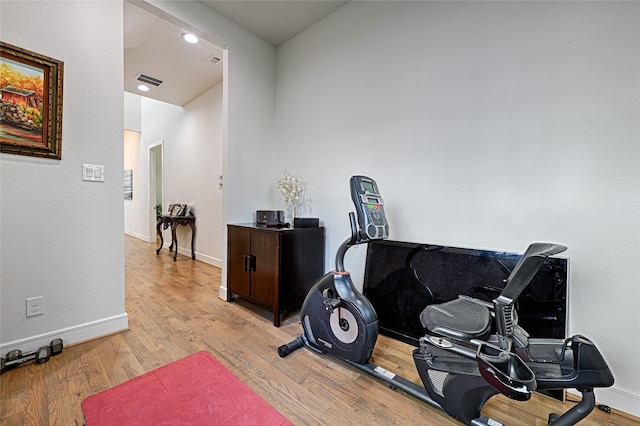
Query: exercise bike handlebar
352, 240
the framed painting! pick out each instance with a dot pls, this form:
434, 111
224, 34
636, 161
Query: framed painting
30, 103
128, 184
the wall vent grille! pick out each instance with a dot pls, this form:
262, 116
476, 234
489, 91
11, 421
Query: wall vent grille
149, 80
212, 60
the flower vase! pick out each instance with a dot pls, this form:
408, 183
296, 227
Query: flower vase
289, 212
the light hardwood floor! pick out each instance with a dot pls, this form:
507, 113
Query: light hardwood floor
174, 311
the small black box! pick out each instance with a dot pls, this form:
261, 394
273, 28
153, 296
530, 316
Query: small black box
264, 217
306, 222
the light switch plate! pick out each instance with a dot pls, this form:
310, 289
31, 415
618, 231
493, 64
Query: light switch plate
93, 172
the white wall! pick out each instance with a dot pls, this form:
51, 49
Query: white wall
132, 112
486, 125
60, 237
192, 151
200, 152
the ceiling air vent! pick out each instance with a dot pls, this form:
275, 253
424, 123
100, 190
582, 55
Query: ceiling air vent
212, 60
149, 80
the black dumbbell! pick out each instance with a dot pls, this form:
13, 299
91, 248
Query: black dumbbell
56, 346
15, 358
13, 355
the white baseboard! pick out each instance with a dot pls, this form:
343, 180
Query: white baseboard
222, 292
144, 238
201, 257
70, 335
187, 252
620, 399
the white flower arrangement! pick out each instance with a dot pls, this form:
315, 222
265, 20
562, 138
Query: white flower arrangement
291, 188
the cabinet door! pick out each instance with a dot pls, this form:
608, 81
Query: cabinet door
265, 278
238, 248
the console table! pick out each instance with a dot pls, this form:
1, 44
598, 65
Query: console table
166, 221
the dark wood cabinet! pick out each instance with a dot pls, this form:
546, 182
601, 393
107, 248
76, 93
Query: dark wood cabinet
274, 268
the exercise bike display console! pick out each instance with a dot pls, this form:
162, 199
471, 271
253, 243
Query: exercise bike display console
369, 205
473, 349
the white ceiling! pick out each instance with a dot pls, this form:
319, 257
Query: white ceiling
154, 47
274, 21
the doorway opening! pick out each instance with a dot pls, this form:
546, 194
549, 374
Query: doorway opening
156, 187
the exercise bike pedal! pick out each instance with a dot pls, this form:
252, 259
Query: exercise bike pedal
330, 300
286, 349
604, 408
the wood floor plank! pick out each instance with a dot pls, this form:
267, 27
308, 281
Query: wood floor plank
36, 398
14, 419
12, 390
174, 310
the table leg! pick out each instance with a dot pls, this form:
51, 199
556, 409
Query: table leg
174, 240
159, 232
193, 239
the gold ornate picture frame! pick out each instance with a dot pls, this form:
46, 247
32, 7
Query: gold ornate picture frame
30, 103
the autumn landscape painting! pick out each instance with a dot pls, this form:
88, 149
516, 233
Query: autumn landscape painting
30, 103
21, 110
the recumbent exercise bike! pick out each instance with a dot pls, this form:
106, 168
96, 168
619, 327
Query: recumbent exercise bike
472, 350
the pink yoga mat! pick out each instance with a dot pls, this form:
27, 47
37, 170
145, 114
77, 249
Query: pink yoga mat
196, 390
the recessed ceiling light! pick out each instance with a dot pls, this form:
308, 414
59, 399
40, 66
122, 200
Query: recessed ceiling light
143, 88
190, 38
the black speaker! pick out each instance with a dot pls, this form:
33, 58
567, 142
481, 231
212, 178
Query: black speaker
264, 217
306, 222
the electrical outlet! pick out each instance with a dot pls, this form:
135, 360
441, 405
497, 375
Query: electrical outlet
35, 306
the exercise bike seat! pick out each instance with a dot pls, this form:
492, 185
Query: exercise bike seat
460, 319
